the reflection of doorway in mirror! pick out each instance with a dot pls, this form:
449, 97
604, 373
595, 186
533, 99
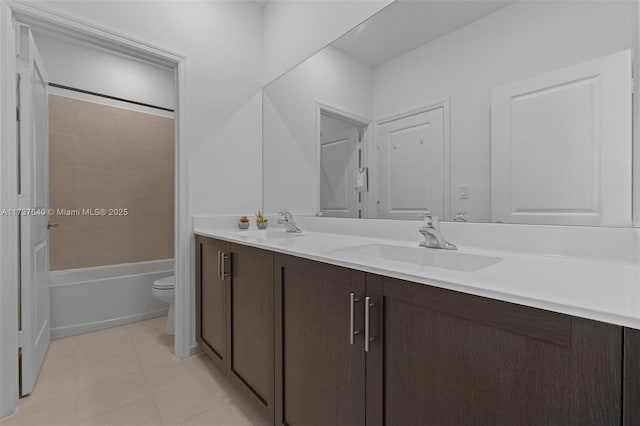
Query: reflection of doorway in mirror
341, 154
561, 146
413, 164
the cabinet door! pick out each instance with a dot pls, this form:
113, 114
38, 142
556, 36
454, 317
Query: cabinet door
251, 323
631, 379
446, 358
320, 376
211, 299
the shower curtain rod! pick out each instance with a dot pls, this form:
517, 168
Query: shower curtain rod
115, 98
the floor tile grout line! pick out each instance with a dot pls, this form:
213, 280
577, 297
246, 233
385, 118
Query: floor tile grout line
115, 409
78, 420
144, 375
117, 376
139, 340
195, 415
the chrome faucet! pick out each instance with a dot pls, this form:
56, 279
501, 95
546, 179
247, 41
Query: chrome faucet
461, 217
288, 222
432, 236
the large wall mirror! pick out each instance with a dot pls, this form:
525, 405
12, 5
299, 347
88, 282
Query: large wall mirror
479, 111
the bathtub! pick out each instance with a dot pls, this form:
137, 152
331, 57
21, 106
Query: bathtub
90, 299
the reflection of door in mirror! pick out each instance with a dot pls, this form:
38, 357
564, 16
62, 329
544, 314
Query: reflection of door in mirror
561, 146
412, 165
550, 151
340, 156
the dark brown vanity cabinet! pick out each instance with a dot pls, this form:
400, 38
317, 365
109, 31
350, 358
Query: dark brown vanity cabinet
435, 356
211, 299
320, 373
234, 314
251, 323
318, 344
447, 358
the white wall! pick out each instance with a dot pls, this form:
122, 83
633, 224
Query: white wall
82, 66
467, 63
222, 43
294, 30
290, 137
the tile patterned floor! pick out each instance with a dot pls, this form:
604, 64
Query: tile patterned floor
128, 376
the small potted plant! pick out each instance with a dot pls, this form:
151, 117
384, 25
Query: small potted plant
244, 223
261, 221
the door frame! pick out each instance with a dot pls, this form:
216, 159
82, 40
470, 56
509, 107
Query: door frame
356, 119
445, 104
10, 13
635, 160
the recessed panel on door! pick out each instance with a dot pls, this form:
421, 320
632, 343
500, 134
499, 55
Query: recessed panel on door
411, 152
408, 151
339, 159
555, 149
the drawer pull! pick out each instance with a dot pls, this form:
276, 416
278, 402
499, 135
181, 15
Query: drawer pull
352, 330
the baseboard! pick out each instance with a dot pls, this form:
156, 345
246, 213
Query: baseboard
72, 330
195, 350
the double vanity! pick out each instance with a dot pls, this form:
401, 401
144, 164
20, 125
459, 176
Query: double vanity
351, 323
515, 117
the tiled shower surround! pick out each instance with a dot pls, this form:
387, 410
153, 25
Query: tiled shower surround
103, 157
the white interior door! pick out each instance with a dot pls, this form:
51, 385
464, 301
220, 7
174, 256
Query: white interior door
561, 150
412, 165
34, 200
339, 159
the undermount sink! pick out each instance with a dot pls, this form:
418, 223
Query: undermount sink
445, 259
267, 234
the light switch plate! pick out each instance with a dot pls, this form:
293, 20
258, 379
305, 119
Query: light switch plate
463, 192
362, 179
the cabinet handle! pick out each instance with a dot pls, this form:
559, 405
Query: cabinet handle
352, 303
220, 264
368, 304
223, 260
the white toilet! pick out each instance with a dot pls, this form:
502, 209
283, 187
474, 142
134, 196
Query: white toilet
164, 290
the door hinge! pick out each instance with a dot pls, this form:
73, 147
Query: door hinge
18, 114
21, 65
20, 339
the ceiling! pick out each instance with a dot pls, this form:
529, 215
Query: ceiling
405, 25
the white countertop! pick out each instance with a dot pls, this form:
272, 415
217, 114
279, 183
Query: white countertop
606, 289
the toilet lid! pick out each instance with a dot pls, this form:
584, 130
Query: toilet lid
165, 283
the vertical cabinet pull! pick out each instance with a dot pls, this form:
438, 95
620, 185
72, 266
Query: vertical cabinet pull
223, 261
222, 267
352, 314
367, 319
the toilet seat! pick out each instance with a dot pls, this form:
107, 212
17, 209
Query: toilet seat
166, 283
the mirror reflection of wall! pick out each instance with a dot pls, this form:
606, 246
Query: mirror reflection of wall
511, 111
